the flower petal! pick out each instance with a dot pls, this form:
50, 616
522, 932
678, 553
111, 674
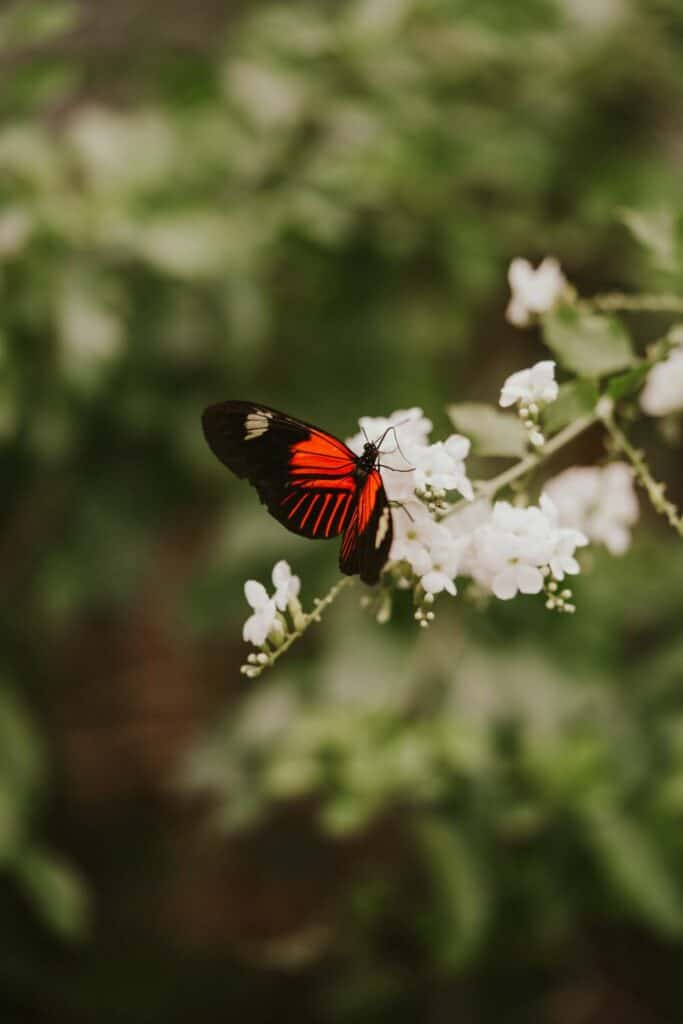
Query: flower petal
504, 585
256, 594
529, 579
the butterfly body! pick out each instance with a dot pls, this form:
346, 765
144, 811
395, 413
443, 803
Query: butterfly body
310, 481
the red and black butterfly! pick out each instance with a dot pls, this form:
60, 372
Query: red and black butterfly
310, 481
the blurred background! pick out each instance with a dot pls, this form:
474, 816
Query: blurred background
314, 205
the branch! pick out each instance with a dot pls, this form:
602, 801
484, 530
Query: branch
489, 488
257, 662
612, 302
655, 491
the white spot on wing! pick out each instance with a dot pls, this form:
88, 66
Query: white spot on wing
382, 527
256, 424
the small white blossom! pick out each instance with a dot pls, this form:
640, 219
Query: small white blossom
517, 577
663, 391
462, 525
600, 502
415, 532
562, 561
258, 626
537, 384
533, 291
445, 559
286, 585
441, 466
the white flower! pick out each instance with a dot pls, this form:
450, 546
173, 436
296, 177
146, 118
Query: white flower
445, 559
509, 550
441, 466
562, 561
600, 502
258, 626
414, 535
663, 391
287, 587
432, 551
533, 291
462, 525
517, 577
537, 384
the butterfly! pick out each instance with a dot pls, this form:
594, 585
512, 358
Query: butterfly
310, 481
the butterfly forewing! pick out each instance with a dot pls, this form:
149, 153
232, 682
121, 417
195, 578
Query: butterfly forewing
308, 480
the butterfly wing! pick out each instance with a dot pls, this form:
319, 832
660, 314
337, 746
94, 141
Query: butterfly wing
368, 536
304, 476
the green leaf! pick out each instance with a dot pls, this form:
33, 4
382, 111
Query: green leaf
634, 867
575, 399
587, 343
656, 230
55, 891
628, 383
491, 432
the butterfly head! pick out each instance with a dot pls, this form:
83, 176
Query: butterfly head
366, 462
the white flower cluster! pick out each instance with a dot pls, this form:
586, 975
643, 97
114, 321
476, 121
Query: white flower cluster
509, 550
531, 390
663, 391
599, 501
505, 549
533, 291
266, 623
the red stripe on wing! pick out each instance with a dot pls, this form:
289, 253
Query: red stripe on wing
326, 501
321, 455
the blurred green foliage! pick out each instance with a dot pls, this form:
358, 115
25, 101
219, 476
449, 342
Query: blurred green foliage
314, 205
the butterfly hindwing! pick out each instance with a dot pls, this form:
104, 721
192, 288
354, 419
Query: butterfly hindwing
367, 540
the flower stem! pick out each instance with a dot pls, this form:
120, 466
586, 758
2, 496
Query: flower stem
655, 490
320, 605
612, 302
489, 488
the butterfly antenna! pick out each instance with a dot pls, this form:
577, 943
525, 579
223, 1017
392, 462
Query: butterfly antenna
380, 439
403, 455
364, 434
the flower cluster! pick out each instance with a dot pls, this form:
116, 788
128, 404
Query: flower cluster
598, 500
518, 550
531, 390
267, 626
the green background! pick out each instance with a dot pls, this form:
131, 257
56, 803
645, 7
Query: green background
314, 206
